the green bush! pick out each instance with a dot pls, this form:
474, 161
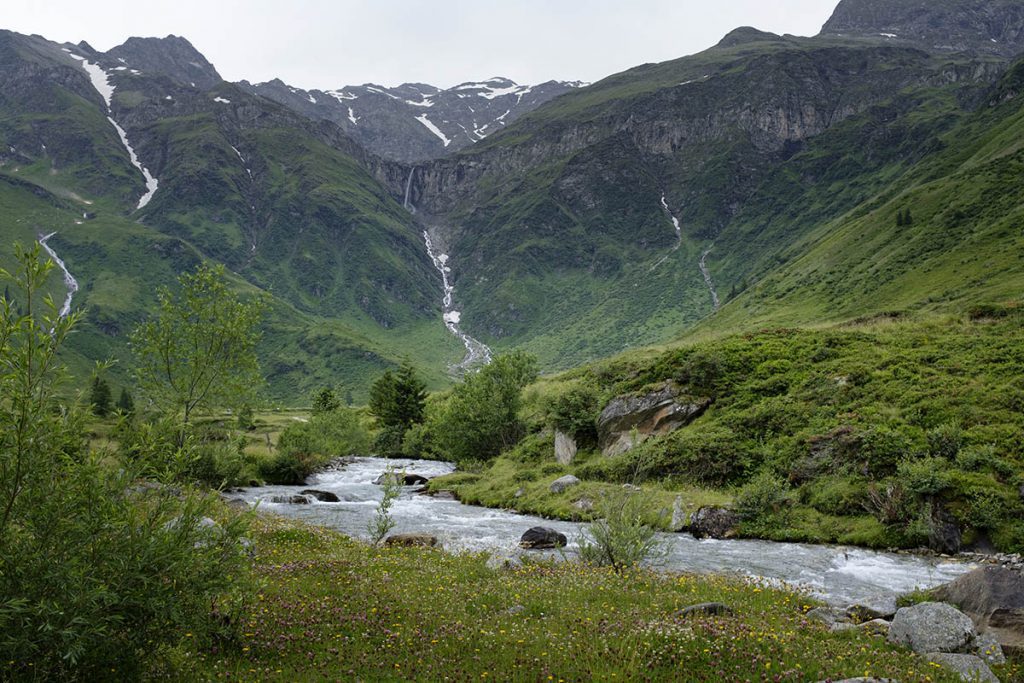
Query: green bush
388, 442
99, 569
765, 494
574, 411
837, 495
945, 440
925, 476
713, 456
305, 446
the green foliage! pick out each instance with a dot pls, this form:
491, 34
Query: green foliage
764, 495
305, 446
481, 418
98, 572
620, 539
125, 402
99, 397
382, 522
324, 401
389, 442
574, 411
245, 419
199, 351
398, 399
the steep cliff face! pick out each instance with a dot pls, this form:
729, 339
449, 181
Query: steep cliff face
172, 56
984, 26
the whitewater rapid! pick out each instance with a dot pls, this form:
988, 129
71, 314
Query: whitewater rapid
839, 575
69, 280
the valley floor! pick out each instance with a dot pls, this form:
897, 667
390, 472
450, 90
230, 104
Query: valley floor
330, 608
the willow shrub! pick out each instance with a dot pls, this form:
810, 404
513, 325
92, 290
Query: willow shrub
98, 568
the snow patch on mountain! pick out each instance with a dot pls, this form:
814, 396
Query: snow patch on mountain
101, 82
434, 129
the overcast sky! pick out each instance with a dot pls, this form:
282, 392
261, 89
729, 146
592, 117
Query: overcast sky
330, 43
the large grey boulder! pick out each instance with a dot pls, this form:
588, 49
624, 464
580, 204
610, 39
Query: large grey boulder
542, 538
932, 627
628, 420
565, 448
994, 598
563, 483
969, 667
713, 522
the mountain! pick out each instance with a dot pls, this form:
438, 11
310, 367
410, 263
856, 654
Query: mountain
561, 229
140, 174
986, 26
768, 181
414, 121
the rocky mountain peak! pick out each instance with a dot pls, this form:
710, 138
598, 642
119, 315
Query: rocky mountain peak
173, 56
986, 26
745, 35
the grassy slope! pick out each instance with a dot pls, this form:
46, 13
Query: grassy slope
331, 608
878, 395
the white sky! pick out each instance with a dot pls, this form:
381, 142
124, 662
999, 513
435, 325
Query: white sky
331, 43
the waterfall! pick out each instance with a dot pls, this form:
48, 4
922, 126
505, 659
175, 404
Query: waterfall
69, 280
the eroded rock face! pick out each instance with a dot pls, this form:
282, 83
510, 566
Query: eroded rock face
932, 627
565, 448
629, 420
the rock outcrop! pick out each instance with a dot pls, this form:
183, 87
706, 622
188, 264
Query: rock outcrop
563, 483
629, 420
565, 448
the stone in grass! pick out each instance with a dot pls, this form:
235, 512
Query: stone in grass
860, 614
563, 483
829, 616
542, 538
932, 627
988, 648
969, 667
876, 627
412, 540
714, 609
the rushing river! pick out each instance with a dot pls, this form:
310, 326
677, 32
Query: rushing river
840, 575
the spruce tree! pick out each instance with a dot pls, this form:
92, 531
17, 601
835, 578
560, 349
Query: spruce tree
99, 397
397, 399
125, 403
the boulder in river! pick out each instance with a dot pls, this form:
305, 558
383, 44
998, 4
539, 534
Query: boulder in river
542, 538
628, 420
322, 496
713, 522
932, 627
401, 478
290, 500
563, 483
412, 540
969, 667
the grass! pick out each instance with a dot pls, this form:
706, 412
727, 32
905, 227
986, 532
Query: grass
330, 608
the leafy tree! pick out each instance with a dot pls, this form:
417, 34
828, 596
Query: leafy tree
199, 351
125, 402
94, 569
324, 401
100, 397
481, 419
397, 399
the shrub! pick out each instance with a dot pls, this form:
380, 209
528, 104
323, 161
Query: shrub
481, 418
305, 446
837, 495
924, 477
883, 447
619, 539
765, 494
574, 411
388, 442
945, 440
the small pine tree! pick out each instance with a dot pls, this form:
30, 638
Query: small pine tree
899, 219
324, 401
348, 398
245, 419
908, 218
398, 399
125, 403
100, 397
